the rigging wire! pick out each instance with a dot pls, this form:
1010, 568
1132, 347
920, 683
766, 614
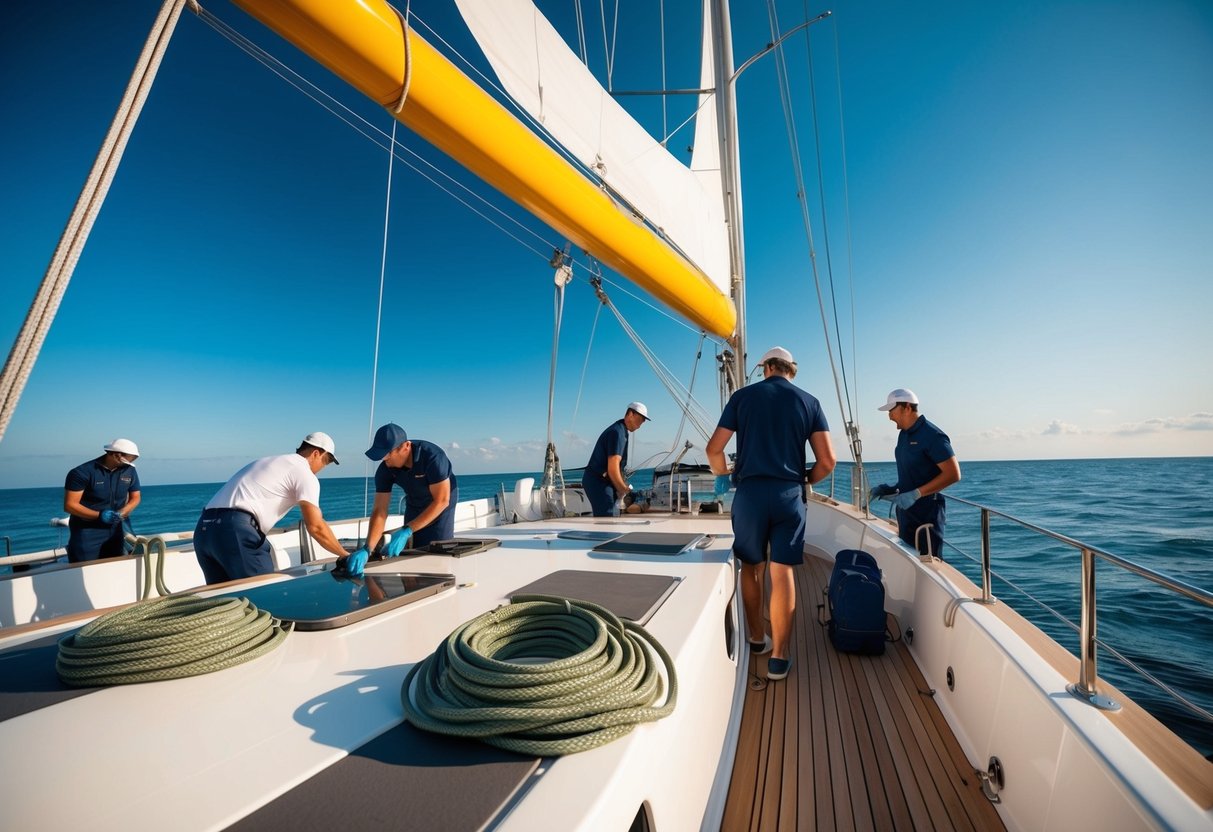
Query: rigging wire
794, 143
378, 136
370, 428
580, 31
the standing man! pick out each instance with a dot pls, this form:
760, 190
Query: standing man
926, 465
603, 479
230, 540
99, 495
773, 420
431, 491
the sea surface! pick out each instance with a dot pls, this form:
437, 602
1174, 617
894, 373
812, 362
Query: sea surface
1157, 513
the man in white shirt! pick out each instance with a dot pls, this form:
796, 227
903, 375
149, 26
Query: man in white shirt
230, 537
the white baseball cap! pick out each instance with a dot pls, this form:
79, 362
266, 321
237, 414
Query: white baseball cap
123, 446
641, 409
897, 397
324, 442
777, 352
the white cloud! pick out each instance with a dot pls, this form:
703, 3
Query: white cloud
1060, 428
1196, 421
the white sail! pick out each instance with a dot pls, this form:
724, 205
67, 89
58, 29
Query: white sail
544, 77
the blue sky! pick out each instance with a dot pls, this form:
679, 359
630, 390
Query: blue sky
1026, 232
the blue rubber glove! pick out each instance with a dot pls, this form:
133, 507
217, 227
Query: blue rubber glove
110, 516
879, 491
906, 499
400, 539
722, 485
356, 562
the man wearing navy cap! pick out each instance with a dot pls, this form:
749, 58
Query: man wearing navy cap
773, 420
230, 540
926, 465
431, 491
603, 480
99, 495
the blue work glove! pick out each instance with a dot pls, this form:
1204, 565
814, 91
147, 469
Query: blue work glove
722, 485
879, 491
906, 499
110, 516
356, 562
400, 539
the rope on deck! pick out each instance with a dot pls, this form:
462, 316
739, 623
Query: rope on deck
167, 638
489, 679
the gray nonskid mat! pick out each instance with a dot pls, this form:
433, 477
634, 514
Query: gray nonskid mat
627, 594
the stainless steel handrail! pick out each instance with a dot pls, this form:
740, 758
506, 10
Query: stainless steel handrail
1086, 686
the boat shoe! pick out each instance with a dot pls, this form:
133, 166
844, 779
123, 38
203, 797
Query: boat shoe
761, 648
778, 668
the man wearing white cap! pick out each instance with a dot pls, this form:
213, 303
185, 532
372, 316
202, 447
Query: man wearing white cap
773, 420
926, 465
99, 495
230, 540
603, 480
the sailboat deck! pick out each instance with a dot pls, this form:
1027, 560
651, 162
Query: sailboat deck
847, 741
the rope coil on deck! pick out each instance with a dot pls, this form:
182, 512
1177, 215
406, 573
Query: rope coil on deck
601, 679
167, 638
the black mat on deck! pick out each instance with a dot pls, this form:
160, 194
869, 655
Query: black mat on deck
28, 680
628, 595
402, 779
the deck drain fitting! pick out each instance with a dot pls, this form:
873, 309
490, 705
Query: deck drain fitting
951, 679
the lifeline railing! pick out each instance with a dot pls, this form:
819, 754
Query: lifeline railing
1086, 686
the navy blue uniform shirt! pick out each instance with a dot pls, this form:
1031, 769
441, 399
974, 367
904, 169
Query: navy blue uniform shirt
103, 489
920, 449
613, 441
430, 467
772, 419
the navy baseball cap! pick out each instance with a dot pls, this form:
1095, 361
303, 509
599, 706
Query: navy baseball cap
387, 437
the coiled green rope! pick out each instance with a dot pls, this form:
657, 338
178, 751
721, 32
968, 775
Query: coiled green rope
599, 684
167, 638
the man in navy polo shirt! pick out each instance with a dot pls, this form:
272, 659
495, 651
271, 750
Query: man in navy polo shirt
926, 465
431, 491
773, 420
99, 495
603, 480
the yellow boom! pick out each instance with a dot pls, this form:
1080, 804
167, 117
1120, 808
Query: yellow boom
362, 42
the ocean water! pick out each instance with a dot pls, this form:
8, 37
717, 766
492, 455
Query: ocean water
1154, 512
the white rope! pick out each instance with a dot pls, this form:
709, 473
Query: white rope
46, 302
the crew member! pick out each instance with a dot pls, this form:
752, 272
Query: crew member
99, 495
604, 480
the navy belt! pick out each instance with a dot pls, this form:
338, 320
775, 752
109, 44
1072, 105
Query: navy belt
249, 514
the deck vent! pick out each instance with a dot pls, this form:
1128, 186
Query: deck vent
951, 679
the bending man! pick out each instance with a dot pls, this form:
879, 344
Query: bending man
773, 420
431, 492
230, 540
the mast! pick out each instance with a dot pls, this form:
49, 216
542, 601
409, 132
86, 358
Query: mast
730, 175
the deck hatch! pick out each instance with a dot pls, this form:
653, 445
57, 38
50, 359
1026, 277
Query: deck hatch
651, 543
627, 594
320, 601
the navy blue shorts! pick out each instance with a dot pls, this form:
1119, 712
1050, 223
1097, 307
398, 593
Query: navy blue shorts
600, 493
229, 545
769, 513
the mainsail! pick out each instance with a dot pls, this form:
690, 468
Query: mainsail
362, 41
542, 75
